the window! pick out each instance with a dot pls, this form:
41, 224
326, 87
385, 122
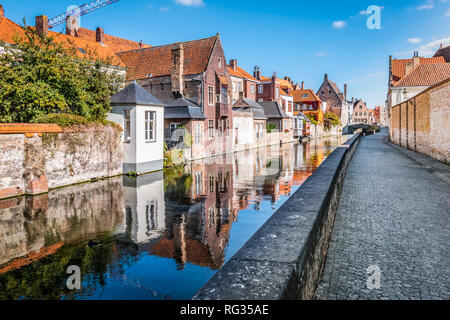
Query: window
234, 86
174, 126
211, 129
219, 62
210, 95
252, 88
150, 119
240, 86
127, 125
228, 128
277, 93
260, 89
198, 183
198, 133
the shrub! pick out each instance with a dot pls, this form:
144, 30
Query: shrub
270, 127
63, 119
331, 120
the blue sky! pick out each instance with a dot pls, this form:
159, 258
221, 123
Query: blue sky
300, 39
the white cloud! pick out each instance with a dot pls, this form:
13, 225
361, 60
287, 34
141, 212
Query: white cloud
426, 6
428, 49
414, 40
339, 24
448, 13
322, 54
190, 3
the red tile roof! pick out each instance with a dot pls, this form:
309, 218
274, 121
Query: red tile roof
157, 61
426, 75
399, 66
240, 73
309, 94
9, 29
115, 43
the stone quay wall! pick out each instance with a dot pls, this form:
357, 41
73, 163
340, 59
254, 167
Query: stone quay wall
318, 131
285, 258
421, 124
33, 163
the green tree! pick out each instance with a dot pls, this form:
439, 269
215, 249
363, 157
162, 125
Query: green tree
41, 76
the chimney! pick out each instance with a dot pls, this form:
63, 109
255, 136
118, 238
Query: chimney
71, 26
140, 44
326, 77
416, 60
257, 73
345, 92
303, 85
274, 85
177, 70
100, 35
233, 64
2, 11
391, 74
42, 25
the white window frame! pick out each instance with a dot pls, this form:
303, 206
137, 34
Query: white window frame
260, 89
211, 95
210, 130
252, 88
127, 125
150, 126
198, 133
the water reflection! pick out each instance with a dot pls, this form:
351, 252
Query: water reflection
155, 237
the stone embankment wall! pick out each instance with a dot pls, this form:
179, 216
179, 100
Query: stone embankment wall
285, 258
318, 131
422, 123
36, 162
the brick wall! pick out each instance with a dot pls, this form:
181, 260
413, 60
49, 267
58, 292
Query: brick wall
39, 162
422, 123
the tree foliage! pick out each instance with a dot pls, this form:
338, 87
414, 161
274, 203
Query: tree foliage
40, 76
331, 120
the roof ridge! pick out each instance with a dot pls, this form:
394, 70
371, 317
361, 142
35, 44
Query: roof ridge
166, 45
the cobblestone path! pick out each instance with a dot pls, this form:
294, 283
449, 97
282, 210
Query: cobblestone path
395, 214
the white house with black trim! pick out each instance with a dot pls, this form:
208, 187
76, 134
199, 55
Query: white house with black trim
142, 117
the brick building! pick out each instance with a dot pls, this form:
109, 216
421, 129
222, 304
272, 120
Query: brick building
197, 72
241, 82
361, 113
335, 99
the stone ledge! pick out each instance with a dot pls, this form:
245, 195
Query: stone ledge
285, 257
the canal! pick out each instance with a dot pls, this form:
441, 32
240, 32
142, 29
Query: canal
160, 236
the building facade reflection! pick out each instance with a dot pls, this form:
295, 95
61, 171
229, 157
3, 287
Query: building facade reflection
185, 215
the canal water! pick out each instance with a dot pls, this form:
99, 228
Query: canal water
160, 236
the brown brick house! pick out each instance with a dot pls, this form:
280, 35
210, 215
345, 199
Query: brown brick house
195, 71
335, 99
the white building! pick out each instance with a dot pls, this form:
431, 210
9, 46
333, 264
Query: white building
141, 116
145, 218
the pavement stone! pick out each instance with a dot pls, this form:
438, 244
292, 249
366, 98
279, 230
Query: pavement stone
394, 213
